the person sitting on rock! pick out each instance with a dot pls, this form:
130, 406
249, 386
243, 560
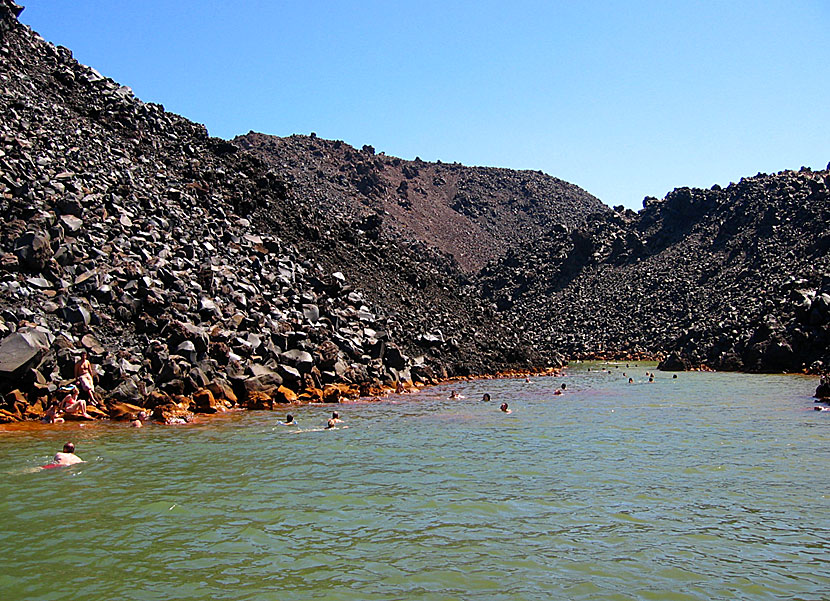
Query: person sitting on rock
504, 408
335, 419
289, 421
51, 416
85, 377
399, 389
72, 405
67, 457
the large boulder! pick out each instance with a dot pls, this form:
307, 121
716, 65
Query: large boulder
675, 362
21, 350
33, 250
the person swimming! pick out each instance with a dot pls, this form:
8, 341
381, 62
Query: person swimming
66, 457
52, 415
289, 421
453, 394
138, 422
505, 408
335, 419
486, 397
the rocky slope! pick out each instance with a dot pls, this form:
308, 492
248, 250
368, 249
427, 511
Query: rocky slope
473, 214
201, 273
734, 279
190, 270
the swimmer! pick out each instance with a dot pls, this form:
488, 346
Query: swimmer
51, 416
138, 422
674, 377
486, 397
651, 378
557, 392
453, 395
289, 421
67, 457
335, 419
504, 408
630, 380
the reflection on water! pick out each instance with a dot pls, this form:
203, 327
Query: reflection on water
710, 486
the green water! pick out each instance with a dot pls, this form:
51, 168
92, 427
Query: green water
711, 486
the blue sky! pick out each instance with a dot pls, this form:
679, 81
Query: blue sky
626, 99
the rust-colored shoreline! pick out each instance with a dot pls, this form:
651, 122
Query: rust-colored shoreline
124, 413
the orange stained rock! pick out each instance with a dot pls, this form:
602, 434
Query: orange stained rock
285, 395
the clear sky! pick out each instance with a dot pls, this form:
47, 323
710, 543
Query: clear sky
624, 98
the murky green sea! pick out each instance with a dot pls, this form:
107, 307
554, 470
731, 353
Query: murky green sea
710, 486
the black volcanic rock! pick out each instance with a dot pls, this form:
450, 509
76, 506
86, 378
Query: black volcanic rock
189, 259
731, 278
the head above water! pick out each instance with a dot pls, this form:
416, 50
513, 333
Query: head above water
486, 397
335, 415
69, 448
289, 418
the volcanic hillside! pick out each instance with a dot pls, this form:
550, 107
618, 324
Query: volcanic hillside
735, 278
180, 261
474, 214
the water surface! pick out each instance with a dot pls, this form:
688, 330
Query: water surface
710, 486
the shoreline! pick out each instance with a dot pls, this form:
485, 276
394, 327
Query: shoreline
187, 408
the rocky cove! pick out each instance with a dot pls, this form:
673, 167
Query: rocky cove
202, 274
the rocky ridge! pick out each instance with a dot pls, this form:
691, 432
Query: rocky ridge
472, 214
733, 279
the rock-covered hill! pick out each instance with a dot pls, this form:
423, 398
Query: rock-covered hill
473, 214
734, 279
200, 273
194, 273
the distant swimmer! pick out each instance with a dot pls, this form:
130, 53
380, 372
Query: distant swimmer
504, 408
453, 395
651, 378
335, 419
67, 457
557, 392
674, 377
564, 386
289, 421
486, 397
630, 380
138, 422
